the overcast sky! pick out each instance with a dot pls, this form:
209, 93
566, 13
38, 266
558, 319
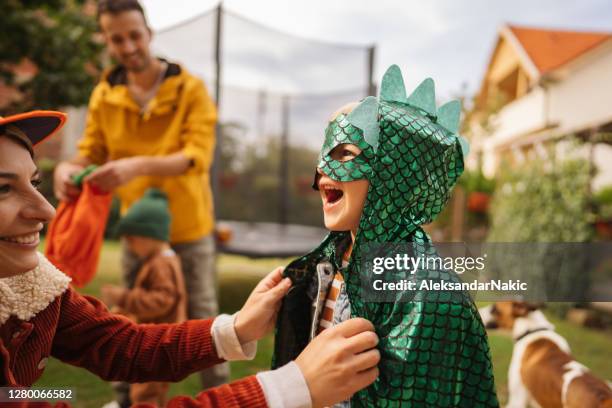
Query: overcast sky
450, 41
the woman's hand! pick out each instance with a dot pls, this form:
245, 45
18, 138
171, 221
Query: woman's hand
258, 315
340, 361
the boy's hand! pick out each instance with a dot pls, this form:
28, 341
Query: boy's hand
111, 294
340, 361
258, 315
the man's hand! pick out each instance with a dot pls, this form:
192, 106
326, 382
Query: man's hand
63, 187
115, 173
258, 315
340, 361
111, 294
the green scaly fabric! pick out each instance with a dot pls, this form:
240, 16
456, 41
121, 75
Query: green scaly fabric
433, 346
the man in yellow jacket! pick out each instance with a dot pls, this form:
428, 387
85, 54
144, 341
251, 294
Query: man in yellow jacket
151, 124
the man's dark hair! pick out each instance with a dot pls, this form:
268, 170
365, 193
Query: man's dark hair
119, 6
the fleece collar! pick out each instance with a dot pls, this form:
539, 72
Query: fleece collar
27, 294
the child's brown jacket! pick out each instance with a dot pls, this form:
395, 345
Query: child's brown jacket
159, 294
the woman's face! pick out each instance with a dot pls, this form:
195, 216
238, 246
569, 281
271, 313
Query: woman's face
342, 200
23, 210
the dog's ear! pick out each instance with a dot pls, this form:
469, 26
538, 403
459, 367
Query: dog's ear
522, 309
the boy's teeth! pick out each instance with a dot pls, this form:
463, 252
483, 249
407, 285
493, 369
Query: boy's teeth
23, 239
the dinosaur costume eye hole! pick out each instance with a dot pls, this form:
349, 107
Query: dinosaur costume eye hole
345, 152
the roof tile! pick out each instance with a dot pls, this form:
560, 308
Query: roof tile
550, 49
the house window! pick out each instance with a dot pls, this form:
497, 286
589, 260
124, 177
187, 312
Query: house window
508, 86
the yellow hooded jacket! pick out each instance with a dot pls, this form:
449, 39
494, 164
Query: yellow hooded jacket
181, 117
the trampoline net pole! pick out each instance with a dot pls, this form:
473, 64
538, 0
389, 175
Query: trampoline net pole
284, 164
215, 172
370, 80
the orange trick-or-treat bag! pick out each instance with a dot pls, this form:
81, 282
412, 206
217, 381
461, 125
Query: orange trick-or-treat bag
76, 233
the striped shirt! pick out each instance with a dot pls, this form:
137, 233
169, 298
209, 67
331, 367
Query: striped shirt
327, 316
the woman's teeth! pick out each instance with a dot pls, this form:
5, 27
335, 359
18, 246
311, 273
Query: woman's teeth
22, 239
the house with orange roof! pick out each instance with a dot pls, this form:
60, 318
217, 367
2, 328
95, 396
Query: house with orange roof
540, 86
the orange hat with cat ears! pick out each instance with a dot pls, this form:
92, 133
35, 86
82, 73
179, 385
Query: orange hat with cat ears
35, 125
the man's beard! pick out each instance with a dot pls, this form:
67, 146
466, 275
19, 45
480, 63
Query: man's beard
142, 64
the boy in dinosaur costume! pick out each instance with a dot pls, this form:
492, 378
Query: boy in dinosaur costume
434, 349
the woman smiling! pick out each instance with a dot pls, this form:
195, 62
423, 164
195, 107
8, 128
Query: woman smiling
24, 210
42, 316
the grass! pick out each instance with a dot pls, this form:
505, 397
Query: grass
237, 276
592, 348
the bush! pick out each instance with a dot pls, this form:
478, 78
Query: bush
544, 202
541, 202
603, 201
475, 181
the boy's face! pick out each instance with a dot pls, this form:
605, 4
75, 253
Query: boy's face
143, 247
342, 200
342, 171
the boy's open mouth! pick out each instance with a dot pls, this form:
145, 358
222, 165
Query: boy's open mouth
332, 195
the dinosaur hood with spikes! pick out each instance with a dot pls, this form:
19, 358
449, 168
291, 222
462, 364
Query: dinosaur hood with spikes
411, 155
434, 351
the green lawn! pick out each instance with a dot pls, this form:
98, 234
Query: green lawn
237, 276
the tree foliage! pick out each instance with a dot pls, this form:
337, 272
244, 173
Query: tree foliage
58, 37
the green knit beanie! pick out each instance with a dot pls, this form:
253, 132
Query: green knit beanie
148, 217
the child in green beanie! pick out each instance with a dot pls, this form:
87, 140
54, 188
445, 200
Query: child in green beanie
159, 294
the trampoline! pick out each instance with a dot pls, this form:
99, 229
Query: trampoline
269, 240
274, 93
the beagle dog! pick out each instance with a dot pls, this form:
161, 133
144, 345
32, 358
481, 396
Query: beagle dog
542, 371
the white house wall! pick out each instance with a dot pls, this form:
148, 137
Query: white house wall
519, 117
580, 99
584, 97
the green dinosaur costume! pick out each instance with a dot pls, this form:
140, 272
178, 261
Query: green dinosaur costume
434, 350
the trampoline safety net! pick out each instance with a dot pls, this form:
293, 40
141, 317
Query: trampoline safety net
276, 95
